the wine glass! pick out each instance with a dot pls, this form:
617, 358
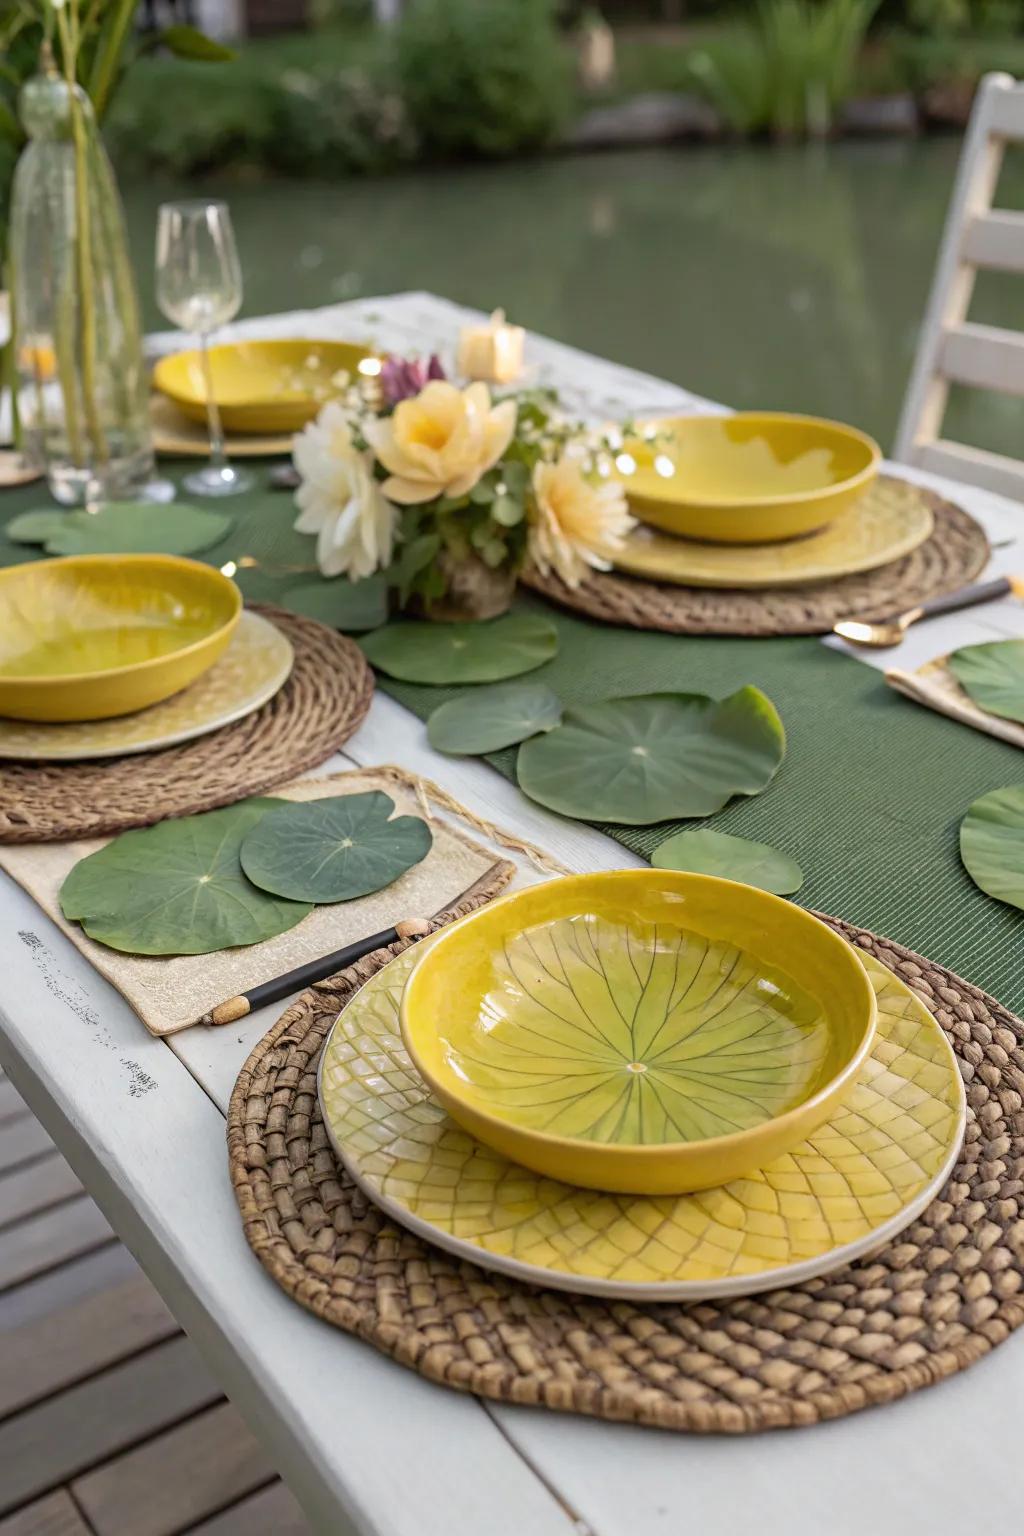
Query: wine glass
199, 287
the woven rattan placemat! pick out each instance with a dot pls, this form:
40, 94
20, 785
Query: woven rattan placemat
954, 554
324, 700
948, 1290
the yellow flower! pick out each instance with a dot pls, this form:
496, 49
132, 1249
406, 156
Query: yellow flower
578, 525
440, 442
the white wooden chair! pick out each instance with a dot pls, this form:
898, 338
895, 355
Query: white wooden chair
952, 349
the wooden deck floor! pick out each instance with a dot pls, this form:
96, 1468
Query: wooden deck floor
110, 1424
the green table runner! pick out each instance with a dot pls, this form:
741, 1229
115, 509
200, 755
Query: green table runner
869, 799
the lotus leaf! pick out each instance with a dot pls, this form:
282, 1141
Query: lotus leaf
34, 527
463, 653
346, 605
993, 675
731, 858
494, 718
138, 528
654, 757
178, 888
992, 844
335, 849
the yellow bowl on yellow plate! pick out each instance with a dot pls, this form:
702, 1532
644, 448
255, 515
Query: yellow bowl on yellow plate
94, 636
753, 478
263, 386
645, 1031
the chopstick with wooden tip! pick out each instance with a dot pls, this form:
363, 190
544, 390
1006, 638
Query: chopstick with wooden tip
313, 970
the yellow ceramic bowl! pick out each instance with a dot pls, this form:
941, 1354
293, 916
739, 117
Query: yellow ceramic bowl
262, 386
753, 478
644, 1031
99, 635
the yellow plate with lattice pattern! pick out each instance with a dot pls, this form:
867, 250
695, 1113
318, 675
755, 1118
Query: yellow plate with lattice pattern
255, 665
857, 1182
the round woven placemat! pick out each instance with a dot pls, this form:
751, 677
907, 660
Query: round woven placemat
954, 554
321, 704
948, 1290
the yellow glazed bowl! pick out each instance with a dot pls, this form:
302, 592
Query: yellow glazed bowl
644, 1031
753, 478
99, 635
262, 386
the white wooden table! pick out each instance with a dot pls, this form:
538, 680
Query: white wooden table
367, 1446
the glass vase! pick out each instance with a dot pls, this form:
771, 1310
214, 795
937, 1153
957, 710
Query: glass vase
82, 387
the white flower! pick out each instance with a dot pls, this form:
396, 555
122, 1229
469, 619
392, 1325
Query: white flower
577, 525
340, 501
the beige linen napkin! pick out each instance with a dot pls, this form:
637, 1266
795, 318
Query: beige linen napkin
172, 993
935, 686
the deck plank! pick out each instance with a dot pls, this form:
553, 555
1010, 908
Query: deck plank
177, 1479
273, 1511
55, 1515
11, 1102
21, 1139
35, 1187
62, 1287
87, 1424
62, 1348
42, 1242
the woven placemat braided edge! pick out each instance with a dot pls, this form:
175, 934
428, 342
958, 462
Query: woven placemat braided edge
323, 702
621, 1364
954, 554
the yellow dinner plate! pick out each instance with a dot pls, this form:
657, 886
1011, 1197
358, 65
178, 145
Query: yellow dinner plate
890, 520
255, 665
92, 636
752, 478
857, 1182
263, 386
643, 1030
176, 436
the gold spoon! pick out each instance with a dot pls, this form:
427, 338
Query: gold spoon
881, 633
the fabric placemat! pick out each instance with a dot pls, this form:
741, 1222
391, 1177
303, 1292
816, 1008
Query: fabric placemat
935, 686
950, 558
945, 1292
323, 701
172, 993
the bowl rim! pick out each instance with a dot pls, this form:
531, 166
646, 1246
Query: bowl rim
248, 402
176, 562
661, 1150
746, 503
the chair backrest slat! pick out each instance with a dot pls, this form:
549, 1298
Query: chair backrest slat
952, 349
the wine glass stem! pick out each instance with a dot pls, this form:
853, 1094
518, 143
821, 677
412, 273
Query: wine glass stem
218, 458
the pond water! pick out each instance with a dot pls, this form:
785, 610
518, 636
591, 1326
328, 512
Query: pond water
773, 277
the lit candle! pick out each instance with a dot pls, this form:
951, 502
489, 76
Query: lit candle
491, 352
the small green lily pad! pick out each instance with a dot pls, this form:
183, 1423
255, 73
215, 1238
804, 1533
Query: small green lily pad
421, 652
34, 527
178, 888
493, 718
654, 757
993, 675
350, 606
335, 849
704, 852
138, 528
992, 844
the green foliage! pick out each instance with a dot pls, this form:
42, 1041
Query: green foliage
482, 77
351, 119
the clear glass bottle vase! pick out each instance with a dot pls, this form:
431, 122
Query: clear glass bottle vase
82, 387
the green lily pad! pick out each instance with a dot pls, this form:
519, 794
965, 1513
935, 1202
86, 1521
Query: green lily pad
346, 605
493, 718
462, 653
654, 757
34, 527
731, 858
993, 676
138, 528
178, 888
334, 850
992, 844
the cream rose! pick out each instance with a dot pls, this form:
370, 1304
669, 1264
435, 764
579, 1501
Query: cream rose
340, 501
441, 442
577, 525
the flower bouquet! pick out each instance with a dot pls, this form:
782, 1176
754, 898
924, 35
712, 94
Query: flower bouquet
451, 493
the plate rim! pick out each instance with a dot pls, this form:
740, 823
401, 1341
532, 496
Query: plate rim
781, 1278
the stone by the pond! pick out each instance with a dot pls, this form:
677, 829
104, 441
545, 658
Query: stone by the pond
653, 118
880, 114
